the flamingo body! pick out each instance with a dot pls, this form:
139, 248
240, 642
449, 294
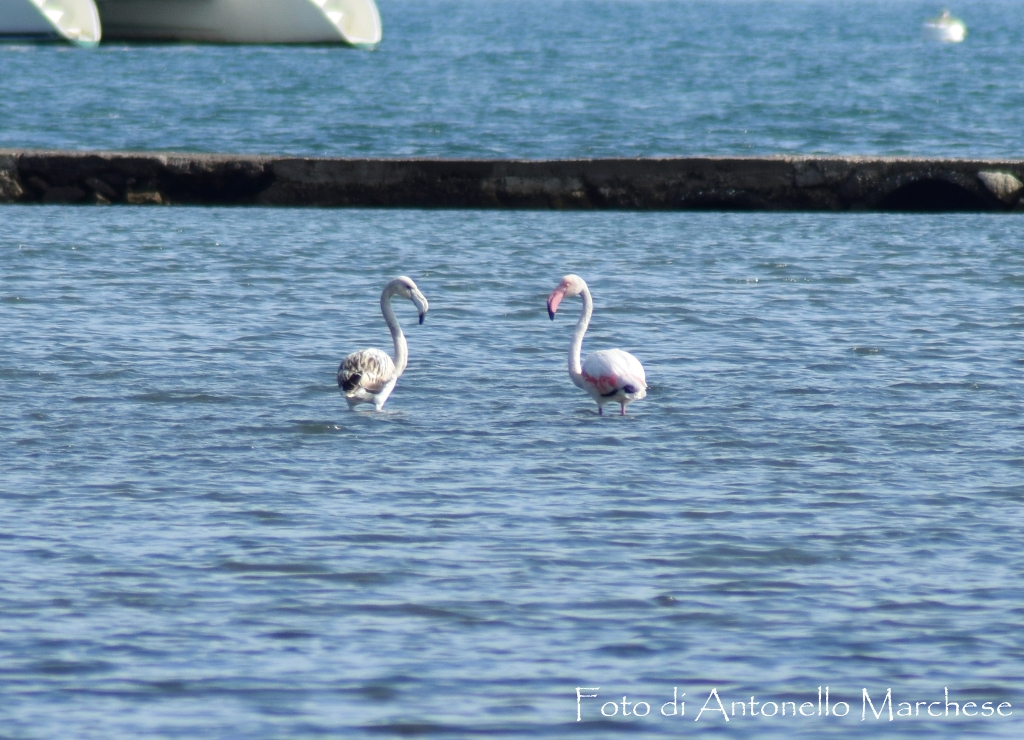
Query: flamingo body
608, 375
364, 376
613, 376
369, 375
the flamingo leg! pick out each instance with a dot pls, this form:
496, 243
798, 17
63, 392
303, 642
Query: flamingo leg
623, 409
600, 410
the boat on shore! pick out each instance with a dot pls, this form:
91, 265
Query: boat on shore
83, 22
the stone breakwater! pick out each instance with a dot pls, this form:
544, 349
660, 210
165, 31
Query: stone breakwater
708, 183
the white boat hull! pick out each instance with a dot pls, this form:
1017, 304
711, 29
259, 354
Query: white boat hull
356, 22
73, 20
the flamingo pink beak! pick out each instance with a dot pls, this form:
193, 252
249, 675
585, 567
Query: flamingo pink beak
554, 299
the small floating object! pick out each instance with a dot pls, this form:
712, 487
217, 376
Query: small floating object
76, 21
945, 28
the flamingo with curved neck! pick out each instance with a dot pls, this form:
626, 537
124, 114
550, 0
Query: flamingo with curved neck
608, 375
369, 375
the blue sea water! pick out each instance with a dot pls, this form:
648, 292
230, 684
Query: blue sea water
822, 488
552, 78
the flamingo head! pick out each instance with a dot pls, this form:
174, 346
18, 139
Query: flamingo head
405, 287
571, 285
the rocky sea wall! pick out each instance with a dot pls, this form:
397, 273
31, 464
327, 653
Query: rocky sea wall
706, 183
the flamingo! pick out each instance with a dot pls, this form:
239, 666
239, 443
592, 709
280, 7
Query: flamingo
369, 375
607, 375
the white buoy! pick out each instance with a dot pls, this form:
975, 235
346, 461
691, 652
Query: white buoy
945, 28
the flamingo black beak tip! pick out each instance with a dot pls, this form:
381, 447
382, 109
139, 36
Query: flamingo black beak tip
422, 316
551, 314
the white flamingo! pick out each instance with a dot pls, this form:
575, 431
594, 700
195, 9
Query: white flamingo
369, 375
609, 375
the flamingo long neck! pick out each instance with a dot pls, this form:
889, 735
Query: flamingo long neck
576, 346
401, 348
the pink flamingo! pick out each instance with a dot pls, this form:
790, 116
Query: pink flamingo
608, 375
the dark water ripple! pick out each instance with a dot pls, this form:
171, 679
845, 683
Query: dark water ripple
824, 485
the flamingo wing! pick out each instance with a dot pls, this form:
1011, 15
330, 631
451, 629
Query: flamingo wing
368, 370
612, 371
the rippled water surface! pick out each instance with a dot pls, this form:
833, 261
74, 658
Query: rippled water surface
823, 487
552, 78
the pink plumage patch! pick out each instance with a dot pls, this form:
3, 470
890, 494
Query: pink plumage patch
603, 383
